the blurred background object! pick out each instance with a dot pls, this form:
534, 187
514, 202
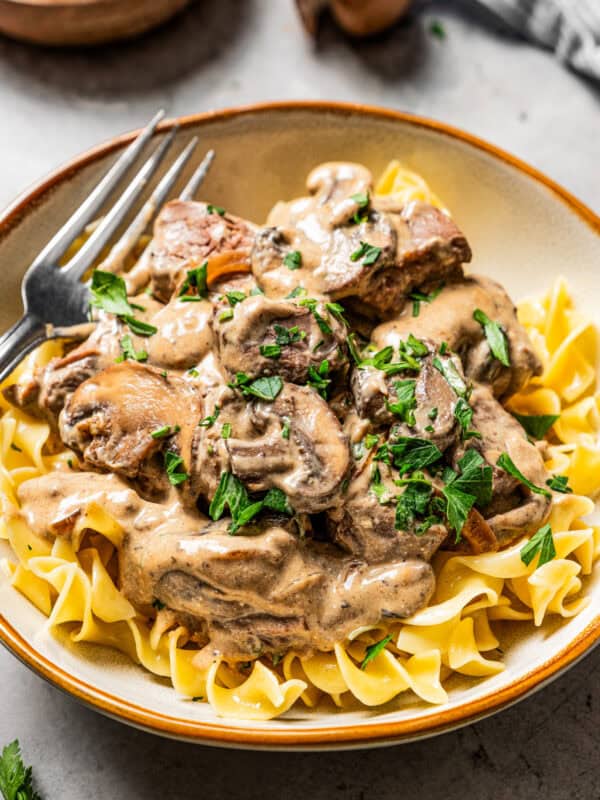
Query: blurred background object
356, 17
83, 22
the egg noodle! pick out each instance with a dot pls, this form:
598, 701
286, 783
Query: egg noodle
73, 582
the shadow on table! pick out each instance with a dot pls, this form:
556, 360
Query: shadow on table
192, 40
544, 747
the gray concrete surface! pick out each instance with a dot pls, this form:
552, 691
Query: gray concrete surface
55, 104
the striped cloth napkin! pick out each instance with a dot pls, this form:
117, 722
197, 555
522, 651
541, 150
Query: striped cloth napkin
569, 27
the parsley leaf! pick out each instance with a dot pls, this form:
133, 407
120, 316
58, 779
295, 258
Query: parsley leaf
166, 430
448, 369
196, 278
15, 777
318, 378
231, 493
496, 338
212, 209
285, 336
373, 650
476, 477
362, 201
129, 351
338, 312
226, 430
437, 29
226, 315
536, 425
541, 542
173, 464
458, 506
405, 401
464, 414
139, 327
368, 252
285, 428
109, 293
293, 260
559, 483
311, 304
235, 297
266, 388
421, 297
299, 291
413, 502
412, 453
209, 421
270, 350
506, 463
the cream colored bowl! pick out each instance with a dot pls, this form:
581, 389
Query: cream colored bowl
524, 231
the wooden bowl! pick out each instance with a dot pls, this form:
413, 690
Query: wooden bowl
82, 22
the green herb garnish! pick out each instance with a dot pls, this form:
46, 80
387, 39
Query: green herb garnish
421, 297
129, 351
496, 338
209, 421
405, 402
410, 453
362, 201
196, 278
138, 327
265, 388
559, 483
235, 297
212, 209
226, 430
15, 777
226, 315
448, 369
506, 463
368, 252
464, 414
270, 350
541, 542
173, 465
373, 650
536, 425
293, 260
318, 378
166, 430
232, 494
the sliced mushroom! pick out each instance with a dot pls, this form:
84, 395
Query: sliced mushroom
279, 337
186, 233
110, 419
364, 523
515, 510
184, 336
294, 444
449, 318
435, 400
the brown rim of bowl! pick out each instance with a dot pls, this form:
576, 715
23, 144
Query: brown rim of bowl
287, 737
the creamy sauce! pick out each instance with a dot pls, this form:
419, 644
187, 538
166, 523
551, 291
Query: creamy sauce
186, 406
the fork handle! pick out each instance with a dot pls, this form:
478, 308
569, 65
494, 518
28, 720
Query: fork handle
22, 338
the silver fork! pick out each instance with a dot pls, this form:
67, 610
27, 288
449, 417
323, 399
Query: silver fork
55, 299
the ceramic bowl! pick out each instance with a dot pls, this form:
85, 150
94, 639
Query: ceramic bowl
524, 229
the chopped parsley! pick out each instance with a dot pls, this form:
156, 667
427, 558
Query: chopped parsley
193, 372
270, 350
338, 311
536, 425
413, 502
506, 463
448, 369
226, 315
432, 413
362, 201
496, 338
421, 297
559, 483
285, 336
353, 349
311, 304
318, 378
285, 428
293, 260
464, 414
209, 421
473, 486
232, 494
212, 209
437, 29
129, 351
15, 778
166, 430
407, 358
235, 297
299, 291
174, 466
373, 650
369, 253
266, 388
409, 453
196, 279
405, 402
138, 327
256, 291
541, 542
158, 604
226, 430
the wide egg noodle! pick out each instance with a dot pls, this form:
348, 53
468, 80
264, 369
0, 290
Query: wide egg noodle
73, 584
